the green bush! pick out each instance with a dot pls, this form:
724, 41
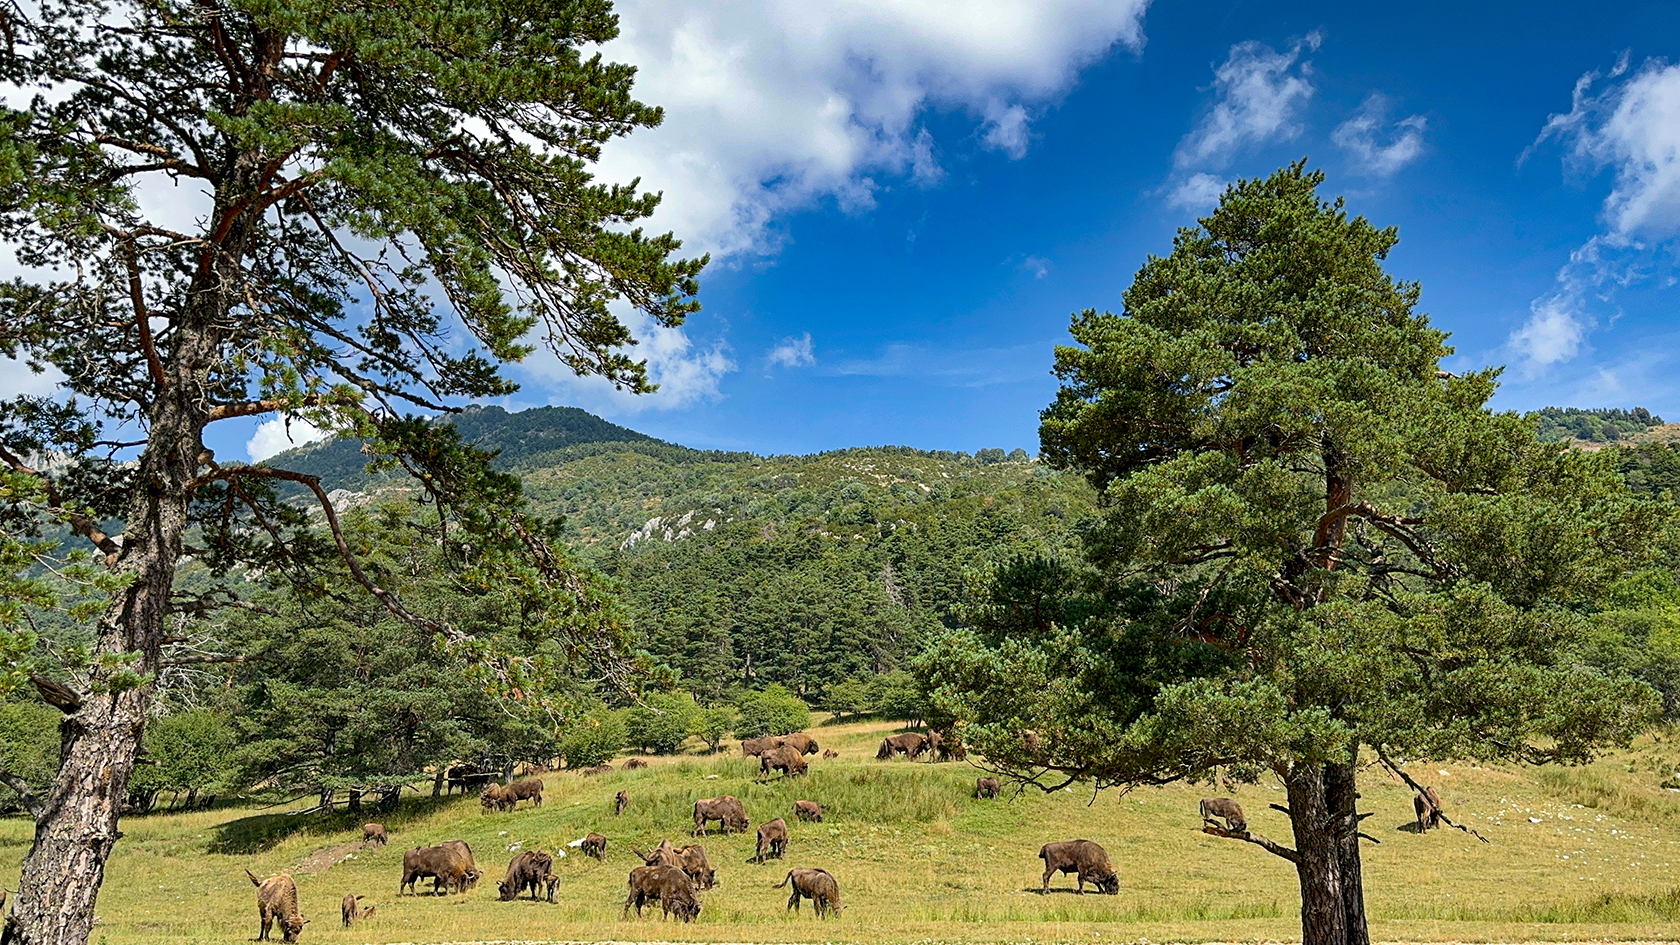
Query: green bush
593, 741
28, 746
896, 696
713, 725
772, 711
662, 722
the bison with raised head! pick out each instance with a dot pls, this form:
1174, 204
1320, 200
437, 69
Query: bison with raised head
1083, 857
620, 802
726, 810
816, 885
662, 855
277, 901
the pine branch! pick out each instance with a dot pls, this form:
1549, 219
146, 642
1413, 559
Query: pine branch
1270, 846
25, 794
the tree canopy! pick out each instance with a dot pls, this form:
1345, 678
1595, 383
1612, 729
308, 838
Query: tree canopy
1312, 540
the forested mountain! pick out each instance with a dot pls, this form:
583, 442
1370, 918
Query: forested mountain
741, 570
1573, 424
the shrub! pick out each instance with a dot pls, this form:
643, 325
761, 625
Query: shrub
593, 740
713, 725
773, 711
662, 722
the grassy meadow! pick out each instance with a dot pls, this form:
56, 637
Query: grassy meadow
1583, 853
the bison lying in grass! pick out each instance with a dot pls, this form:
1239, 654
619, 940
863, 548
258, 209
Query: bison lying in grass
1089, 860
816, 885
277, 900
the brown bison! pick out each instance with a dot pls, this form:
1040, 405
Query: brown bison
986, 787
751, 747
494, 797
1427, 805
466, 777
698, 868
531, 869
531, 790
595, 845
815, 885
668, 884
348, 912
784, 759
772, 839
602, 768
1223, 807
374, 833
277, 899
808, 810
634, 764
909, 744
800, 742
1083, 857
950, 747
620, 802
726, 810
662, 855
449, 864
830, 753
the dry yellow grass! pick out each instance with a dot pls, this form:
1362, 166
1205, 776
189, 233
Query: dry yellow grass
1577, 854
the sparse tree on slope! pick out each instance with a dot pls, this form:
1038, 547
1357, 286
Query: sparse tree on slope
316, 174
1314, 542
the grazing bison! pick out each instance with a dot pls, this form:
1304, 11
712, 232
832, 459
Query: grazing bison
375, 833
595, 845
1225, 808
634, 763
800, 742
529, 870
698, 868
1083, 857
784, 759
620, 802
348, 912
1427, 805
277, 900
909, 744
494, 797
668, 884
830, 753
985, 787
808, 810
815, 885
751, 747
950, 747
772, 839
449, 864
726, 810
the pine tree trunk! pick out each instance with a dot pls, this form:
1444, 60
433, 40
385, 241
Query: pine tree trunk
1323, 916
1341, 792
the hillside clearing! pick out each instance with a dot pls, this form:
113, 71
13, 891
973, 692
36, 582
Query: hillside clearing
1577, 854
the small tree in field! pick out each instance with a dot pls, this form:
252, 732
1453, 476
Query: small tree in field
1314, 541
362, 208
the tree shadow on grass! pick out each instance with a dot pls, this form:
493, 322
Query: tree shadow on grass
264, 831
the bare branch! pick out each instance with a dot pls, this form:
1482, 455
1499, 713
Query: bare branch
1402, 775
1270, 846
81, 524
25, 794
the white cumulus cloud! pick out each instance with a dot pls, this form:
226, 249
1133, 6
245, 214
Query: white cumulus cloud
791, 353
1259, 92
280, 434
1631, 126
686, 372
1379, 148
1198, 191
775, 105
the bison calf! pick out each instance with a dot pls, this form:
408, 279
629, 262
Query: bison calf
595, 845
1229, 810
1083, 857
808, 810
985, 787
529, 870
374, 833
830, 753
277, 900
772, 839
816, 885
348, 911
620, 802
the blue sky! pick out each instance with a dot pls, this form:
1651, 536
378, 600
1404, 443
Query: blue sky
918, 302
905, 201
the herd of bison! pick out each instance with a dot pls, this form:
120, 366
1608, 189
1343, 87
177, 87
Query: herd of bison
673, 876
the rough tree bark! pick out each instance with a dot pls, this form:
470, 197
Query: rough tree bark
1319, 867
